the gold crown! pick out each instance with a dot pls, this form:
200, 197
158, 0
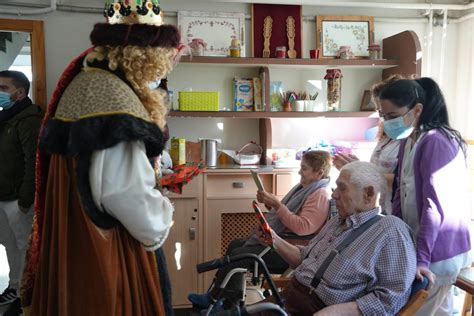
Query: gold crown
133, 12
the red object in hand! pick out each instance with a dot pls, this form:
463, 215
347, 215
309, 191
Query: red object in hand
263, 222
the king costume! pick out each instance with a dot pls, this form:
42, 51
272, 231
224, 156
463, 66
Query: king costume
98, 216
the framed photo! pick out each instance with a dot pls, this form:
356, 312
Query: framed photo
367, 103
279, 35
335, 31
217, 29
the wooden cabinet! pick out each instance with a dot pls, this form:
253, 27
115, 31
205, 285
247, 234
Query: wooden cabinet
214, 209
228, 207
181, 250
183, 243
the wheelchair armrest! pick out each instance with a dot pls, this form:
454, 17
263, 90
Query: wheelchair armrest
419, 285
290, 235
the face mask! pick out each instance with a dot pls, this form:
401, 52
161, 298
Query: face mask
5, 101
154, 84
396, 128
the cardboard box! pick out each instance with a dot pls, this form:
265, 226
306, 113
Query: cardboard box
178, 151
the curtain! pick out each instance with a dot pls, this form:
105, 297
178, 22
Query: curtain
462, 111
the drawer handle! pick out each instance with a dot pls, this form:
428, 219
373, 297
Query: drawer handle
238, 185
192, 233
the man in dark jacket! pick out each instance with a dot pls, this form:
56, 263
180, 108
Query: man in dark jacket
20, 121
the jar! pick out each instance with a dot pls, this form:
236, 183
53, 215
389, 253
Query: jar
333, 77
197, 46
280, 52
375, 52
345, 52
234, 49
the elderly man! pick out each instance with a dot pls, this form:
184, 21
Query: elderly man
372, 274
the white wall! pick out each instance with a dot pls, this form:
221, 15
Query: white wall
67, 35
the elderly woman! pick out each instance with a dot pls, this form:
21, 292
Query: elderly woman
303, 211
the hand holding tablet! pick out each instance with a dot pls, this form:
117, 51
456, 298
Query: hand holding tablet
257, 180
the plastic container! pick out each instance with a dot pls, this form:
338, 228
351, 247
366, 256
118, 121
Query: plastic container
334, 80
198, 101
280, 52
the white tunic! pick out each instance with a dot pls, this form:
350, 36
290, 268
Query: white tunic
122, 181
385, 156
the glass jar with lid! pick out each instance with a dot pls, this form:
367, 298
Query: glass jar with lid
280, 52
345, 52
333, 77
375, 52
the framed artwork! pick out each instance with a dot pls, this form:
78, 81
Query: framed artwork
216, 29
367, 103
278, 31
335, 31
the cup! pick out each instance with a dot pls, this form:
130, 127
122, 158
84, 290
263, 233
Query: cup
308, 106
314, 53
299, 105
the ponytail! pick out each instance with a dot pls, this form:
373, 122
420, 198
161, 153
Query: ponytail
435, 111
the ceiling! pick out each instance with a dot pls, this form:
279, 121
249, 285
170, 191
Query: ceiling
377, 8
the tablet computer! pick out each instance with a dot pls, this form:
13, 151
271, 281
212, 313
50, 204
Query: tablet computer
257, 180
262, 221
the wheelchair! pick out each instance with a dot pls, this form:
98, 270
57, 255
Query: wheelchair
241, 309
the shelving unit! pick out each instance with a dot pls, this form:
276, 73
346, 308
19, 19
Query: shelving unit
262, 115
401, 54
291, 63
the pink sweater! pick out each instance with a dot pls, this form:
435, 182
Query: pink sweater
312, 215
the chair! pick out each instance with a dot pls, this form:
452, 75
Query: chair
465, 281
418, 294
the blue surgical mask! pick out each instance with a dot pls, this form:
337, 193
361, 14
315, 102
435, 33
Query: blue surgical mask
5, 101
397, 129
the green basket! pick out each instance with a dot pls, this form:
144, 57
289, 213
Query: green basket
198, 101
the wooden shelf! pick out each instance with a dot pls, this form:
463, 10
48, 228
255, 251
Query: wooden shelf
232, 114
293, 63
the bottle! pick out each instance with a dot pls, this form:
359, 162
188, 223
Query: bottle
333, 77
234, 49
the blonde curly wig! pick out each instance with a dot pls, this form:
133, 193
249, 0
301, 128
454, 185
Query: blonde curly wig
141, 65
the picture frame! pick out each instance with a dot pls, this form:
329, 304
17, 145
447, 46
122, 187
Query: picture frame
334, 31
367, 102
217, 29
279, 14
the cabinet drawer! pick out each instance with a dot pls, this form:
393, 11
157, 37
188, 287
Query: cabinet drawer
230, 185
191, 189
285, 182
